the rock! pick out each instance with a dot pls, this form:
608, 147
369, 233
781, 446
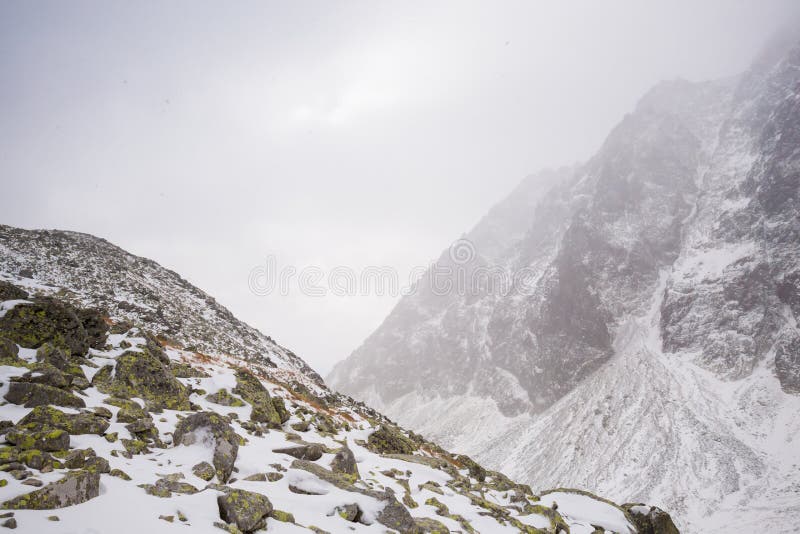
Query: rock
349, 512
475, 470
247, 510
4, 426
185, 370
9, 291
226, 446
45, 320
223, 397
82, 423
144, 375
47, 439
204, 470
96, 327
143, 428
129, 411
649, 519
53, 518
9, 353
32, 395
256, 477
250, 389
345, 463
308, 451
74, 488
387, 440
35, 482
166, 486
119, 473
280, 515
426, 525
10, 523
44, 373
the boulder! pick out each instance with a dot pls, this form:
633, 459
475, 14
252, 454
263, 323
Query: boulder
45, 320
307, 451
9, 353
345, 463
649, 519
45, 439
253, 391
144, 375
31, 395
247, 510
74, 488
226, 442
390, 440
81, 423
95, 325
204, 470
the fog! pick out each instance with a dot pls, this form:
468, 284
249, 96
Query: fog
211, 136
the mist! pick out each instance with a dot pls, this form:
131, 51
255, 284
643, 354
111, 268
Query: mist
350, 134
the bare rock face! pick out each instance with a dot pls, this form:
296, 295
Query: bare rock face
75, 488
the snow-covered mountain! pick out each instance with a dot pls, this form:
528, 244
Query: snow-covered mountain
133, 402
651, 349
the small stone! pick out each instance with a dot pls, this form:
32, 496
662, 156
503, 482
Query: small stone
35, 482
167, 518
10, 523
53, 518
204, 470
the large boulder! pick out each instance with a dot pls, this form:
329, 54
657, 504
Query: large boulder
649, 519
247, 510
144, 375
9, 353
45, 320
96, 326
226, 442
250, 388
43, 439
390, 440
345, 463
31, 395
78, 423
76, 487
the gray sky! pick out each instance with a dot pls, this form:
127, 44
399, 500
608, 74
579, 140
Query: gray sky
209, 135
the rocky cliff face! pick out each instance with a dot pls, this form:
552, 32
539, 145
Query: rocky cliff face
673, 251
114, 420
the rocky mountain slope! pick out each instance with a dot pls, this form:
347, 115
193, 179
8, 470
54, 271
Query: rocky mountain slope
133, 402
650, 349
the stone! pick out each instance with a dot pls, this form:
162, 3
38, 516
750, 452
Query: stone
226, 442
247, 510
9, 291
345, 463
32, 395
308, 451
223, 397
74, 488
82, 423
649, 519
204, 470
387, 440
9, 353
144, 375
45, 320
250, 388
46, 439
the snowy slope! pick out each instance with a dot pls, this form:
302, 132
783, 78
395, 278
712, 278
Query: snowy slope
656, 356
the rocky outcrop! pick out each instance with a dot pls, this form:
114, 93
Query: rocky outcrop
144, 375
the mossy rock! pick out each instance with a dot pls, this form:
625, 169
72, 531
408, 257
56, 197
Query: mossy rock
45, 320
81, 423
226, 447
250, 388
247, 510
280, 515
204, 470
388, 440
223, 397
144, 375
31, 395
119, 473
46, 439
44, 373
184, 370
74, 488
345, 463
475, 470
135, 446
426, 525
306, 451
95, 324
650, 519
9, 354
129, 411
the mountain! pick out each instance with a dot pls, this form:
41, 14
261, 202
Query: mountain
133, 402
635, 331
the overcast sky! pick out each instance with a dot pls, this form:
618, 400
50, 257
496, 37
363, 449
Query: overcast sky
208, 136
